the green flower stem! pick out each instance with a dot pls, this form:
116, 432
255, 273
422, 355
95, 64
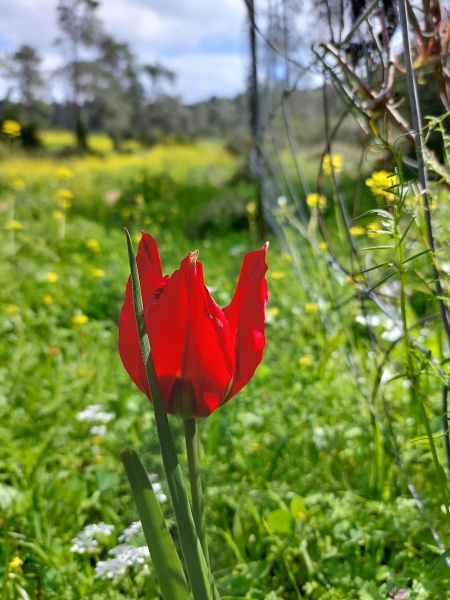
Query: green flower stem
164, 556
200, 580
190, 435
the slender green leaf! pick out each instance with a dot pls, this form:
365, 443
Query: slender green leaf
416, 255
159, 541
443, 558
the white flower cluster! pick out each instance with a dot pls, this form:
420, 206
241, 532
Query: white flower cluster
125, 557
319, 437
393, 331
130, 532
99, 430
95, 413
85, 542
158, 492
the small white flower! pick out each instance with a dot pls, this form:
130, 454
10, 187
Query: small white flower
386, 376
99, 430
445, 266
85, 542
158, 492
133, 530
393, 334
94, 413
109, 569
371, 320
125, 557
319, 438
157, 488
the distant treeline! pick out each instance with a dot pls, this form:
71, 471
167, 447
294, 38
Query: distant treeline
107, 88
166, 118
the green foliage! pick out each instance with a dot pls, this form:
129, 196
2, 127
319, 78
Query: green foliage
304, 497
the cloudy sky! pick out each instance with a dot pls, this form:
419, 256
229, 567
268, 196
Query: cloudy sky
202, 41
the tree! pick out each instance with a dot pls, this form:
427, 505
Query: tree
80, 29
23, 68
158, 75
118, 96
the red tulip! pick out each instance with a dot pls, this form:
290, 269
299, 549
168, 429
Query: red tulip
203, 355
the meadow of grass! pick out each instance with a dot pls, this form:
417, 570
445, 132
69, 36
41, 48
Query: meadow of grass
304, 495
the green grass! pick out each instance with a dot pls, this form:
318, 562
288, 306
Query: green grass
304, 498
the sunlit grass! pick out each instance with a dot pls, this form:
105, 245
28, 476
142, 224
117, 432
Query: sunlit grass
207, 161
299, 485
57, 138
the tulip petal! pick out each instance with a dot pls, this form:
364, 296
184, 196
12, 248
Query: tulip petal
246, 315
151, 279
191, 344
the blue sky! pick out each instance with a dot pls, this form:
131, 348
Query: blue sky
203, 41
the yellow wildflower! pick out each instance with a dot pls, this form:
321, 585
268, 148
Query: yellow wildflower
379, 181
11, 128
305, 361
372, 229
80, 319
13, 225
277, 275
18, 183
286, 256
432, 201
58, 215
251, 208
357, 230
323, 246
51, 276
15, 562
47, 299
137, 238
12, 309
99, 458
313, 200
255, 446
65, 194
64, 173
274, 311
97, 272
148, 220
126, 212
311, 307
93, 245
332, 163
139, 199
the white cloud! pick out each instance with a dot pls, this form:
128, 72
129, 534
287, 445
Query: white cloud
202, 41
202, 76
